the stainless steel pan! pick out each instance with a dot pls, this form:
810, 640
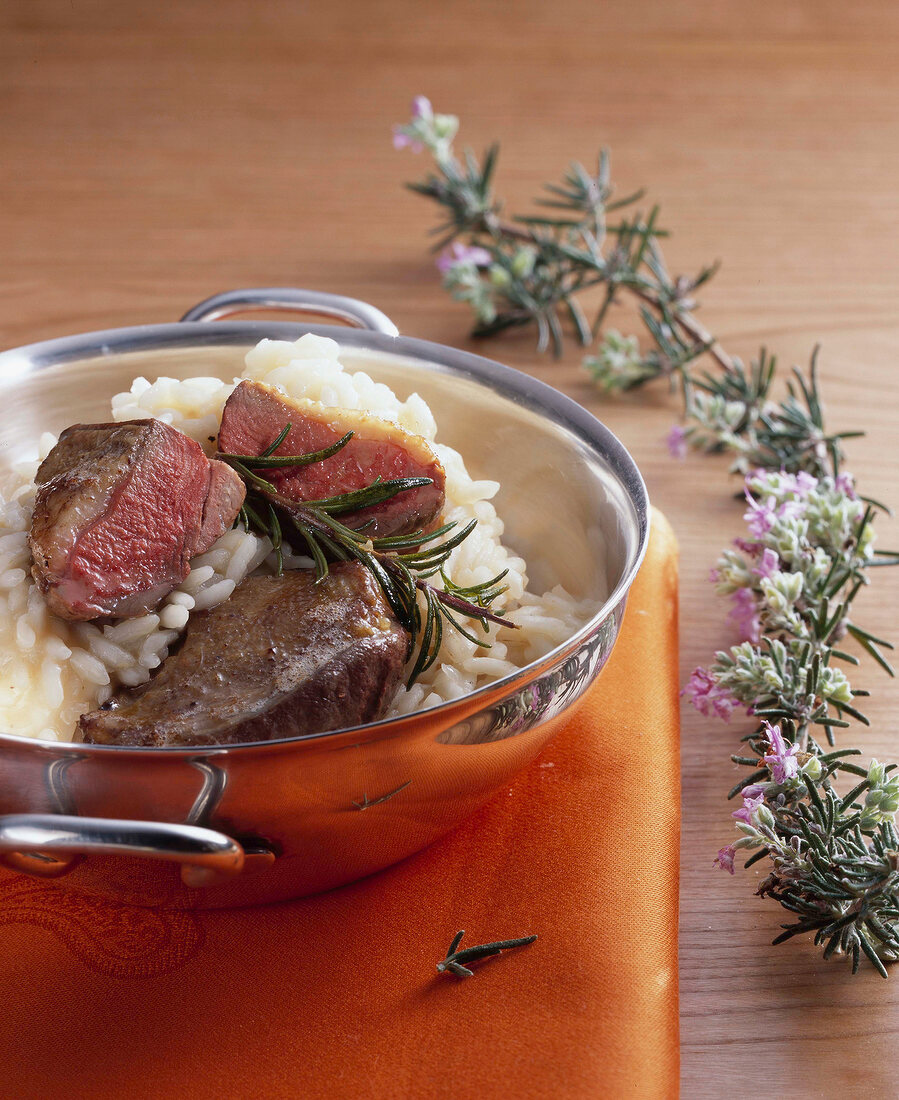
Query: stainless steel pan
260, 822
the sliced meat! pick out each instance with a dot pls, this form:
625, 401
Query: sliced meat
224, 497
121, 510
320, 656
255, 415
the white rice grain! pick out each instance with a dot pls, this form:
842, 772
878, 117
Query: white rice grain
113, 656
51, 683
133, 676
25, 636
57, 649
214, 594
174, 616
197, 578
237, 568
89, 668
129, 631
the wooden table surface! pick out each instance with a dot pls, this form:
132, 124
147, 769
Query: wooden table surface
156, 153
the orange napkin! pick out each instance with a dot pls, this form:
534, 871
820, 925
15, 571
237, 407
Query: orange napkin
337, 995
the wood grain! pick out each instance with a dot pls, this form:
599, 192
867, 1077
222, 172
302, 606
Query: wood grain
157, 153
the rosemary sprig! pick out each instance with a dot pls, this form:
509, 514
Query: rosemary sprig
530, 269
454, 960
403, 565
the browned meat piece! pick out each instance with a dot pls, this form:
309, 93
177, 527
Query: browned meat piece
319, 657
120, 511
255, 415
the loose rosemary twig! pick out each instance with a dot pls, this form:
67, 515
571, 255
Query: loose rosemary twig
405, 566
833, 859
367, 802
454, 960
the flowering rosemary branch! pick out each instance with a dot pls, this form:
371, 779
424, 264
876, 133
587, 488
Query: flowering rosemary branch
832, 858
530, 269
793, 581
403, 565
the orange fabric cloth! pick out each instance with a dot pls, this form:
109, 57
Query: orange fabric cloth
337, 996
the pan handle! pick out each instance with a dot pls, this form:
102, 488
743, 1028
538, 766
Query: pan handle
317, 303
50, 845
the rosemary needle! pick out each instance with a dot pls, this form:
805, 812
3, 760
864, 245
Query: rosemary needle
268, 460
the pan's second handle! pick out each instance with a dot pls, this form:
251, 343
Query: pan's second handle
314, 303
49, 845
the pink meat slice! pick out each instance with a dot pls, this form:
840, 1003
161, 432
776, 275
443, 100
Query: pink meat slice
120, 511
256, 414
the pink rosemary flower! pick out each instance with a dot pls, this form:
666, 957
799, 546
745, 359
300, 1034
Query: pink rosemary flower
760, 516
463, 254
709, 697
763, 514
768, 564
751, 548
421, 107
804, 483
745, 614
725, 858
753, 790
845, 483
403, 140
750, 805
781, 761
677, 442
